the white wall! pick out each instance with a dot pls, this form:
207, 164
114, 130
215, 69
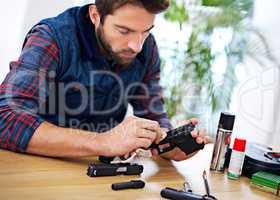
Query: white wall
40, 9
11, 19
258, 112
17, 17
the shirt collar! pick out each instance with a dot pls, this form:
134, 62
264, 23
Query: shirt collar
87, 37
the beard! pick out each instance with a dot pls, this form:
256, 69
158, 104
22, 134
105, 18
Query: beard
108, 50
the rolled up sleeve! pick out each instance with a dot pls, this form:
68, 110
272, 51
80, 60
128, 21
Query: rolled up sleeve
25, 88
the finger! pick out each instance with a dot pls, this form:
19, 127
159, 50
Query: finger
161, 136
152, 126
206, 140
202, 132
154, 152
164, 135
163, 146
126, 155
188, 121
199, 140
146, 123
194, 134
165, 129
144, 133
194, 121
201, 135
143, 143
152, 135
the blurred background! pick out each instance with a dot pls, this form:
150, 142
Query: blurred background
217, 55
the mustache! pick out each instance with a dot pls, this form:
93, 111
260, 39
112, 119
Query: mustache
127, 51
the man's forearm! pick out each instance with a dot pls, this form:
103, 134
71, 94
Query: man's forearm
54, 141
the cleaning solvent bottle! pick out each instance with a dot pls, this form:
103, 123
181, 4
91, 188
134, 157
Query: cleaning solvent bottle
237, 158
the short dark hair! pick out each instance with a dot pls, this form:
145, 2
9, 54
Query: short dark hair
107, 7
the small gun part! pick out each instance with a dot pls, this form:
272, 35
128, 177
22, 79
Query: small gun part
96, 170
134, 184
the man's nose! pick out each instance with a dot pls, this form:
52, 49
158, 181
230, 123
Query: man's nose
136, 43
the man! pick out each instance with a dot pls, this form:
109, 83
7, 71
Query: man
75, 77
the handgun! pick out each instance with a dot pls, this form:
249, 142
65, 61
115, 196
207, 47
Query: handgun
180, 137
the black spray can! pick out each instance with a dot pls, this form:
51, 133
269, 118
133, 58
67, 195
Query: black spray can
222, 142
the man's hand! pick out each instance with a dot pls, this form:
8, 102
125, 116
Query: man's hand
131, 134
179, 155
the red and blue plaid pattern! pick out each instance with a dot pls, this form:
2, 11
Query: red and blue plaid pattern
19, 93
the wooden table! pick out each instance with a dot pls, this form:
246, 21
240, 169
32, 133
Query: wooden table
31, 177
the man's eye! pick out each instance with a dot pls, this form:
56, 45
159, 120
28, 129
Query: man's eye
123, 32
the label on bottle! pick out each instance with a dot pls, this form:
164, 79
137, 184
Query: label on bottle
220, 149
236, 164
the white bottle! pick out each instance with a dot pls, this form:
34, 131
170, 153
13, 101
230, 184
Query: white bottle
237, 159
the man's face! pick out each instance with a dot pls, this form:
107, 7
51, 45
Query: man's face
123, 33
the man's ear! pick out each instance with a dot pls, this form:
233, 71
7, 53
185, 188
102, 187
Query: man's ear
94, 15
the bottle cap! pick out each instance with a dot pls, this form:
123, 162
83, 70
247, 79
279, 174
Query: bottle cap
226, 121
239, 145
